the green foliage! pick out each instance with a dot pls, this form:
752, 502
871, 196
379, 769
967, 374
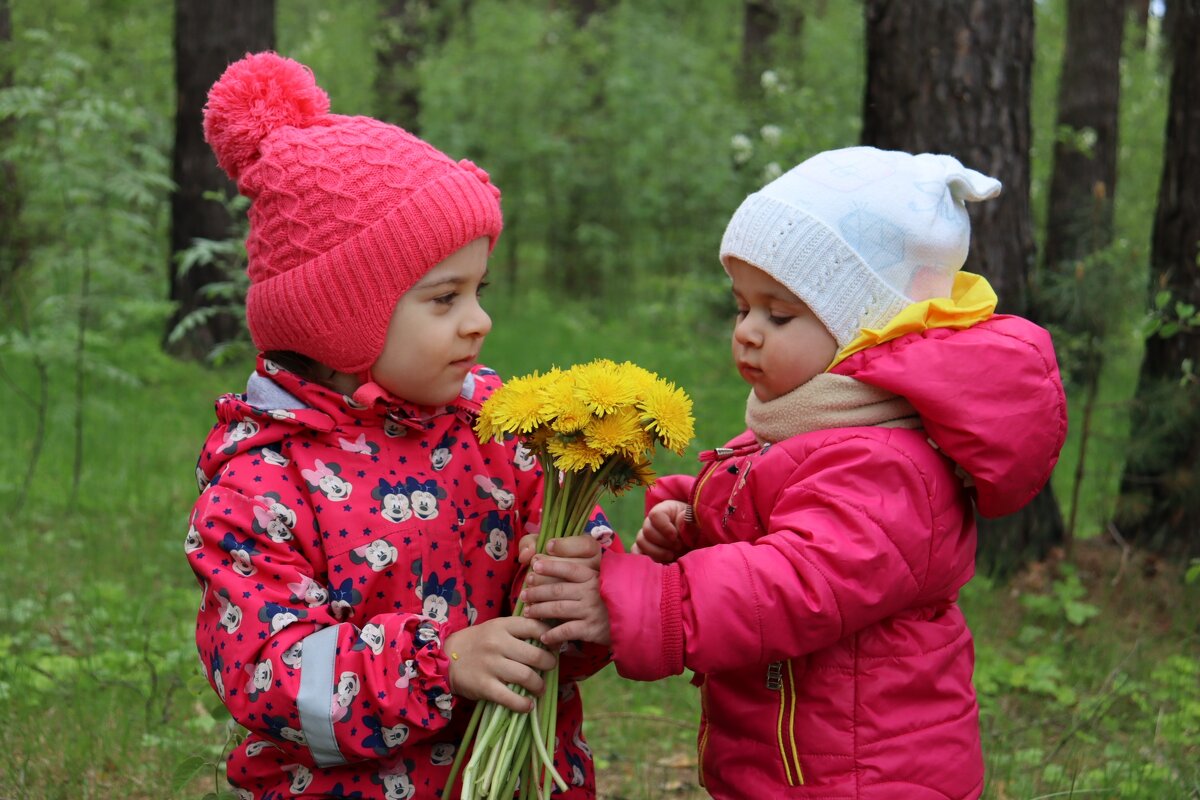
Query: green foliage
608, 141
227, 295
331, 39
821, 77
93, 168
1084, 687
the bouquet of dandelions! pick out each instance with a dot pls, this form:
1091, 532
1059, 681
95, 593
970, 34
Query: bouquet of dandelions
593, 428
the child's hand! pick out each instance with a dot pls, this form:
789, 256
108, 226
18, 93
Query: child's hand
659, 537
485, 658
564, 584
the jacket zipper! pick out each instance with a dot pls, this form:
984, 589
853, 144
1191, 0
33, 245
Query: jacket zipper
781, 679
713, 459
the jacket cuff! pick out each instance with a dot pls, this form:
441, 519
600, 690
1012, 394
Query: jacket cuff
645, 619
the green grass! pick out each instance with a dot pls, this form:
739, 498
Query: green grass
98, 674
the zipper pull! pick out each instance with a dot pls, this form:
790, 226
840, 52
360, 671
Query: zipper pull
716, 454
775, 676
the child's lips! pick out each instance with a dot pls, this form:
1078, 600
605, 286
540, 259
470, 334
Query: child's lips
749, 373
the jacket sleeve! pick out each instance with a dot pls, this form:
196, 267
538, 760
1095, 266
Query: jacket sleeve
275, 650
838, 552
669, 487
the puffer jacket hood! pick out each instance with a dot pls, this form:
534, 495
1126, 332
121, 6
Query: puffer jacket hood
1005, 435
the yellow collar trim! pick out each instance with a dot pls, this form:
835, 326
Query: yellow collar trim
971, 301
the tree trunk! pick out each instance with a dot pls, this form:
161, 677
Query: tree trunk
1160, 493
209, 35
12, 247
761, 20
1082, 187
954, 76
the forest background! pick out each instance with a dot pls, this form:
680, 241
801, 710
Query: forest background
623, 134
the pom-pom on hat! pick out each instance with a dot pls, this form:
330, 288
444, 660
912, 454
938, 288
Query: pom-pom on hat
860, 233
346, 213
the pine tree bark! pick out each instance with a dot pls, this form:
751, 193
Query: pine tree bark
955, 76
209, 35
1160, 498
1083, 182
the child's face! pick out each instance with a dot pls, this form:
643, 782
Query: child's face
778, 343
437, 330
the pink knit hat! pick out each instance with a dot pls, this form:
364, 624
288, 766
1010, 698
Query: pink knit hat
346, 213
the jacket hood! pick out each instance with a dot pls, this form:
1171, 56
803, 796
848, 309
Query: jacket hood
990, 397
278, 403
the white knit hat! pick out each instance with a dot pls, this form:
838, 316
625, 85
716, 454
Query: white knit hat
860, 233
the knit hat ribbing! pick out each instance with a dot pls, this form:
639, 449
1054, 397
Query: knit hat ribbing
346, 213
860, 233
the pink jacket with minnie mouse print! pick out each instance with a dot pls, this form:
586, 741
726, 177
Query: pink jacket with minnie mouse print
338, 541
818, 606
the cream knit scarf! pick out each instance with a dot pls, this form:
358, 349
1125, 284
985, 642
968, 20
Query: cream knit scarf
827, 401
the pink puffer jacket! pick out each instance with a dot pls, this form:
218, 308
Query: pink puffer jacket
818, 606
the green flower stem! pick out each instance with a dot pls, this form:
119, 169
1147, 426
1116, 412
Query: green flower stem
547, 761
472, 726
520, 764
550, 701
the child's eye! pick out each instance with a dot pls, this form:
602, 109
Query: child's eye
446, 299
482, 285
777, 319
742, 312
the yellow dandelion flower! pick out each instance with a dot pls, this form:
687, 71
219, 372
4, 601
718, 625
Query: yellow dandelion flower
667, 413
615, 433
516, 407
627, 474
565, 412
602, 387
485, 431
640, 376
572, 454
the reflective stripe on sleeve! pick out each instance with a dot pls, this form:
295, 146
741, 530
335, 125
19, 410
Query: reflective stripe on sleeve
315, 699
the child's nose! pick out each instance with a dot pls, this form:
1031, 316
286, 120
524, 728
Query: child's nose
478, 323
746, 333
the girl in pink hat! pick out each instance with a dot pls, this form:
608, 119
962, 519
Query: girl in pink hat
356, 579
808, 575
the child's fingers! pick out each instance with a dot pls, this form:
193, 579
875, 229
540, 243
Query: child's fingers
571, 569
553, 592
526, 547
574, 547
646, 547
499, 693
579, 630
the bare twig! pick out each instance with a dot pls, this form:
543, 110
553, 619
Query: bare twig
1125, 551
